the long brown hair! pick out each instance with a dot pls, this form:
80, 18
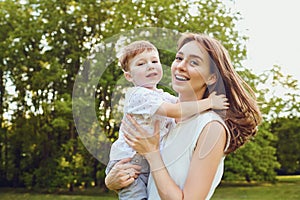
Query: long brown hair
243, 115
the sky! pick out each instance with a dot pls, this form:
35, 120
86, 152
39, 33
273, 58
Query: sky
273, 28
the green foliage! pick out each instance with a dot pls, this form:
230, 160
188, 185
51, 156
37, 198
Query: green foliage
256, 161
281, 98
287, 130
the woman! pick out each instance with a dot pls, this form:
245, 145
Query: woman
190, 165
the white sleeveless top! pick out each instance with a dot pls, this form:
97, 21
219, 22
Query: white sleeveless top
178, 149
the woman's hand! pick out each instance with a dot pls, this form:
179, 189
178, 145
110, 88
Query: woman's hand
122, 174
139, 139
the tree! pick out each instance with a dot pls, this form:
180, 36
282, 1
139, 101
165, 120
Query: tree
7, 27
287, 129
256, 160
281, 98
282, 107
43, 47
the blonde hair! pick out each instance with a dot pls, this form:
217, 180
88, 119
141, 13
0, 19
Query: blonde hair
132, 50
243, 115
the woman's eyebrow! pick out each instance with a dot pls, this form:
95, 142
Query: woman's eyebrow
192, 56
196, 56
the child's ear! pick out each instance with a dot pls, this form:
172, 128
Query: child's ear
128, 76
212, 79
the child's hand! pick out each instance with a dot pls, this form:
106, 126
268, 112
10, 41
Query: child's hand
219, 102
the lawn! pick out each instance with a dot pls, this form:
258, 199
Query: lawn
22, 194
287, 188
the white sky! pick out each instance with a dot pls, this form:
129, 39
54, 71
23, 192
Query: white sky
273, 28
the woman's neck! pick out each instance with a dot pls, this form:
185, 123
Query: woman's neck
190, 97
185, 98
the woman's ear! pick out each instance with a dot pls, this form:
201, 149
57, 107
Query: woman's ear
212, 79
128, 76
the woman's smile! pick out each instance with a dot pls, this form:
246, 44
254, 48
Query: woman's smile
180, 77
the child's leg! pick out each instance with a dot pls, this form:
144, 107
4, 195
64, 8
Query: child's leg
138, 189
110, 165
135, 191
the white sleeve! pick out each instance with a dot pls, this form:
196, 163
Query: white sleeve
142, 101
170, 98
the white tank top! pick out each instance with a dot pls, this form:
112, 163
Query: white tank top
178, 149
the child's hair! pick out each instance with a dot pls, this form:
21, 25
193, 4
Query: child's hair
133, 49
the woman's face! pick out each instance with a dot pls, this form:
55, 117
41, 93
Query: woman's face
190, 72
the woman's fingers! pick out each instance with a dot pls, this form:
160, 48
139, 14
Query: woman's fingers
123, 161
156, 127
122, 174
122, 164
128, 140
135, 124
128, 181
131, 120
125, 164
126, 128
126, 172
125, 167
139, 139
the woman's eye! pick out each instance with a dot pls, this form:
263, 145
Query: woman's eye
178, 58
194, 62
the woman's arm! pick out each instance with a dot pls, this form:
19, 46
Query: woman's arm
186, 109
204, 163
121, 175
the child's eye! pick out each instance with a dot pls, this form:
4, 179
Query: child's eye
140, 64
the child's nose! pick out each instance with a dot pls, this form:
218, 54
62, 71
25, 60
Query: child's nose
150, 66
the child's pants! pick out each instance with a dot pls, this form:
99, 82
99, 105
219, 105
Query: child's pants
138, 189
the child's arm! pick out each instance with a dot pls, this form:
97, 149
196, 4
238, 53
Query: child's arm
185, 109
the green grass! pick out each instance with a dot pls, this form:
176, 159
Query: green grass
28, 196
22, 194
287, 188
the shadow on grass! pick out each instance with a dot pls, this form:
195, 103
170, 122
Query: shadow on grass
279, 180
56, 191
239, 184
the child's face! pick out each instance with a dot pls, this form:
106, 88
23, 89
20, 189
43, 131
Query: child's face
145, 70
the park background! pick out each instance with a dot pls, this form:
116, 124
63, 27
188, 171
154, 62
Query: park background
43, 47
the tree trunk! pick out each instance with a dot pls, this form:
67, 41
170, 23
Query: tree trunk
17, 164
2, 90
95, 169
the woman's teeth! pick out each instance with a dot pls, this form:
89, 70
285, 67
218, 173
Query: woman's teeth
181, 78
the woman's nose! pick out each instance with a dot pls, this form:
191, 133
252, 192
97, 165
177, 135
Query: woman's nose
182, 65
